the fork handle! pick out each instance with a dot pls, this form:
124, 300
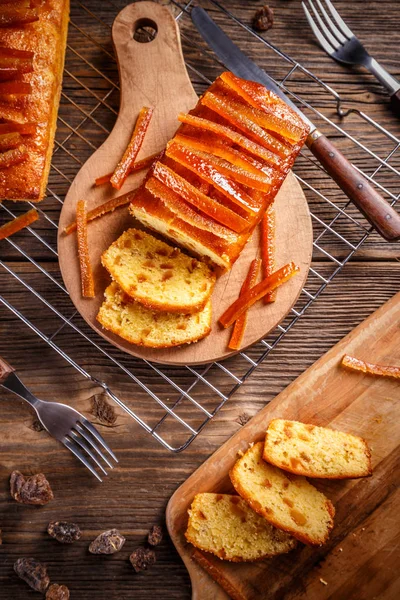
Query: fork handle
375, 209
395, 102
5, 370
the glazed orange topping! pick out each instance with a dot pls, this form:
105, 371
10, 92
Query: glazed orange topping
281, 120
240, 324
123, 168
207, 205
15, 62
241, 117
233, 136
139, 165
18, 223
207, 170
255, 293
268, 249
102, 209
355, 364
13, 157
87, 281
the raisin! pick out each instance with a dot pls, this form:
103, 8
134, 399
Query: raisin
263, 18
155, 535
32, 490
142, 558
33, 573
108, 542
57, 592
64, 532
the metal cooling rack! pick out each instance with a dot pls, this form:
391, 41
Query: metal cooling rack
174, 404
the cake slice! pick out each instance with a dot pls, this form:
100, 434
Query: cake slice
141, 326
288, 502
316, 451
227, 527
157, 275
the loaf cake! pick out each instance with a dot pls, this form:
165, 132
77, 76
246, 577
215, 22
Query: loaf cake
40, 31
289, 502
141, 326
316, 451
222, 169
226, 526
157, 275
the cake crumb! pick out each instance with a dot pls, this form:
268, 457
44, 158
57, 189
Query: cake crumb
323, 581
340, 549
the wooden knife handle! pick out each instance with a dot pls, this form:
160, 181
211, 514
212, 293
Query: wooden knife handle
375, 208
5, 370
395, 102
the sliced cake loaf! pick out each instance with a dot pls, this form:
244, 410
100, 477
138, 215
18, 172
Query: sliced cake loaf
316, 451
227, 527
289, 502
141, 326
157, 275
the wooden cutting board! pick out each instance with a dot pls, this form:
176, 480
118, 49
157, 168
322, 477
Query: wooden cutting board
154, 74
361, 559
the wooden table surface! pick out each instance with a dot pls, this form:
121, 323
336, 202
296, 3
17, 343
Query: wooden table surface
134, 496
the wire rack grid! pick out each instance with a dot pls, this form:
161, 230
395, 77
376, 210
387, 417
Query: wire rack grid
183, 400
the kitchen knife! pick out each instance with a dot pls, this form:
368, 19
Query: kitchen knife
356, 187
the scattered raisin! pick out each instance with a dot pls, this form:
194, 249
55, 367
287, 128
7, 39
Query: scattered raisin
33, 573
155, 535
57, 592
108, 542
263, 18
64, 532
32, 490
142, 558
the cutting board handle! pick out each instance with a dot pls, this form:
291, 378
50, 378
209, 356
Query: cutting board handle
141, 64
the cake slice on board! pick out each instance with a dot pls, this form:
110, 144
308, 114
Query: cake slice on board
158, 275
314, 451
287, 501
226, 526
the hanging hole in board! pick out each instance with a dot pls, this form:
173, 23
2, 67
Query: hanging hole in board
145, 30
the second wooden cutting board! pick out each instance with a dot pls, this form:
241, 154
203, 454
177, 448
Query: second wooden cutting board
360, 560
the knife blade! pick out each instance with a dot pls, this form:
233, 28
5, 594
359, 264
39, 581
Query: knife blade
357, 188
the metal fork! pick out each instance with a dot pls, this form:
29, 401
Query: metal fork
341, 44
64, 423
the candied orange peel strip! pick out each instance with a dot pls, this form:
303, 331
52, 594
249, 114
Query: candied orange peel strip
87, 280
355, 364
20, 88
22, 128
280, 118
18, 223
139, 165
13, 157
195, 197
240, 116
122, 169
102, 209
212, 175
9, 140
233, 136
240, 325
11, 16
268, 227
255, 293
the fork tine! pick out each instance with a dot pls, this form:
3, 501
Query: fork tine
338, 34
96, 434
339, 21
91, 443
331, 39
322, 41
77, 439
68, 444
